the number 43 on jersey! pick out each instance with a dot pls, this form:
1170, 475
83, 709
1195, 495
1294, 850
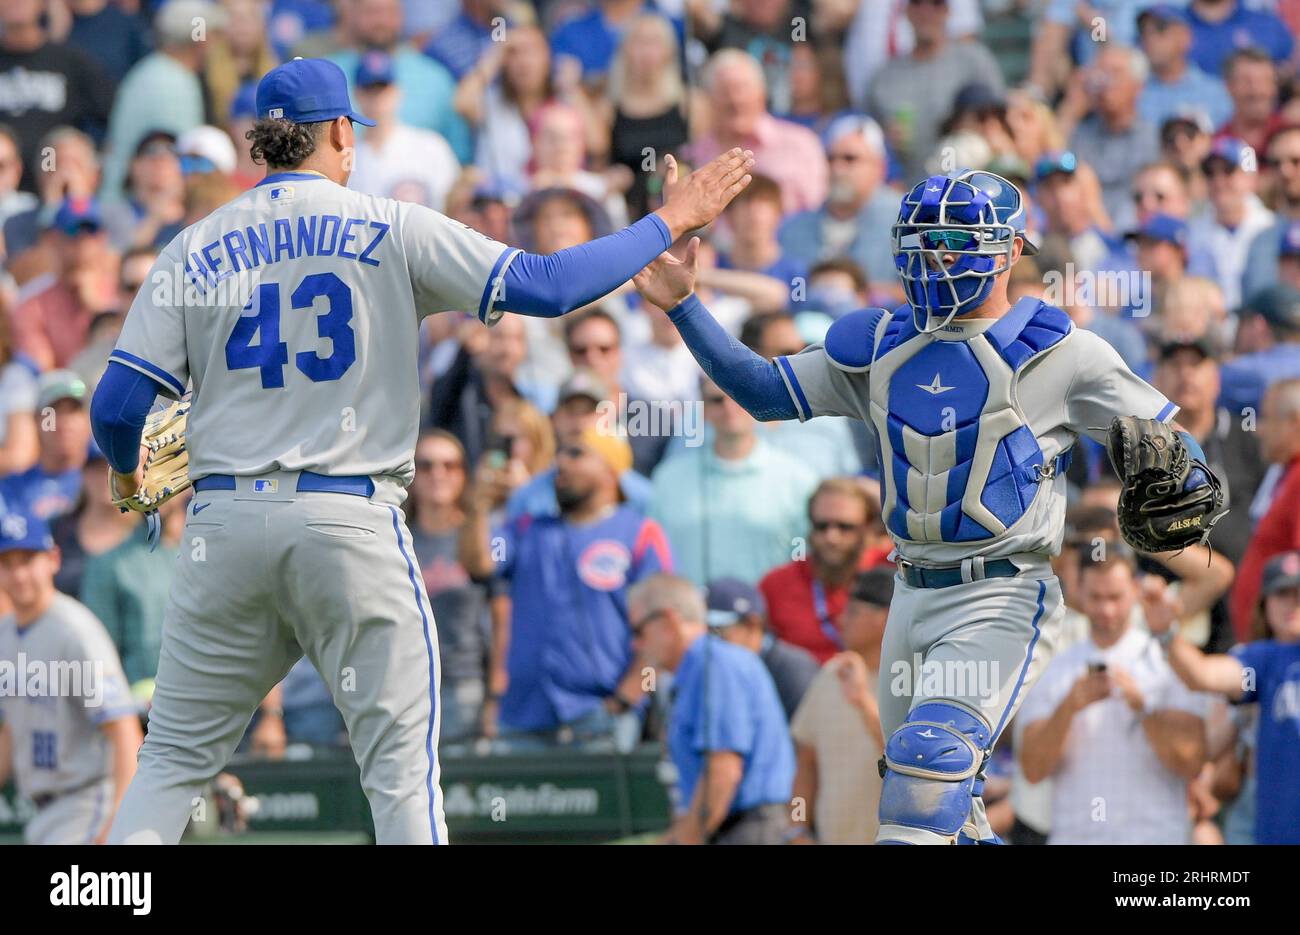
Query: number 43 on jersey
270, 355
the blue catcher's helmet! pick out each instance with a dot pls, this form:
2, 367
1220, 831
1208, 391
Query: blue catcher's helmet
972, 216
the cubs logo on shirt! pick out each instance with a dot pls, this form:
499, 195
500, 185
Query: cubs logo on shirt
603, 565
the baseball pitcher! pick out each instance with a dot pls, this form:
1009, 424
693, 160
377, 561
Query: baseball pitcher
974, 405
291, 314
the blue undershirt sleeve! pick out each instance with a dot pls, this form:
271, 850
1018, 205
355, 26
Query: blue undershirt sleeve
749, 379
118, 411
552, 285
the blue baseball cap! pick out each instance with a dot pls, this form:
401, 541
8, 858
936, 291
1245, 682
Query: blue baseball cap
21, 531
306, 90
1164, 12
1058, 163
77, 214
730, 599
244, 103
375, 67
1163, 227
1228, 149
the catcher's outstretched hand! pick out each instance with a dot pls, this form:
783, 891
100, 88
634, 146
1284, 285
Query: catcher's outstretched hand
667, 281
701, 196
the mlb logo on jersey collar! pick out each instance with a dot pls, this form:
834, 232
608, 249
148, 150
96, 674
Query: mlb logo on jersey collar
282, 193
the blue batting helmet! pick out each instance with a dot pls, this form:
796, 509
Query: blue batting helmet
971, 216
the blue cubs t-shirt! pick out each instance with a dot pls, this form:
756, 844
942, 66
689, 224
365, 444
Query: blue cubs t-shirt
570, 641
1276, 688
44, 495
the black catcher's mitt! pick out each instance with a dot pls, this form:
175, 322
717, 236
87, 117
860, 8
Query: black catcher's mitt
1170, 500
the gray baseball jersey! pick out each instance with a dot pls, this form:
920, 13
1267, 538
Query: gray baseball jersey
1075, 389
294, 309
68, 682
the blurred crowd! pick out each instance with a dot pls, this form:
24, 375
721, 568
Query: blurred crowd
565, 463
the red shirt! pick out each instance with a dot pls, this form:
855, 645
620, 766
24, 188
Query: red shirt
791, 613
1278, 531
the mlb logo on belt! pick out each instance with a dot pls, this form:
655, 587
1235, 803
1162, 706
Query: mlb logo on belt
265, 485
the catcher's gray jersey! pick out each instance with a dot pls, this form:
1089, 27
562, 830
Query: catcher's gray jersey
66, 683
955, 422
294, 309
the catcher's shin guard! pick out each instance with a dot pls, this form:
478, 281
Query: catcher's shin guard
932, 764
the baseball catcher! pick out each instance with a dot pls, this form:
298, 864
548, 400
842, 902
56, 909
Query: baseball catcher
974, 405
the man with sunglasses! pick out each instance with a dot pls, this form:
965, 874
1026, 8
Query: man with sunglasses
975, 405
1232, 178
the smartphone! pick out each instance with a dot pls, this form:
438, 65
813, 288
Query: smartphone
1096, 668
499, 449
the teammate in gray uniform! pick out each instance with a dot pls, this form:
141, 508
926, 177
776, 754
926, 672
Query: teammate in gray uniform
298, 332
974, 405
71, 725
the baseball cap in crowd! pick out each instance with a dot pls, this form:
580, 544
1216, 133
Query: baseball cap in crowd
77, 214
583, 382
1290, 245
243, 106
55, 385
597, 216
1186, 116
375, 68
154, 142
729, 600
306, 90
612, 449
1203, 343
206, 149
1162, 13
1058, 163
1230, 150
1162, 227
874, 586
174, 23
978, 97
1280, 572
20, 530
1278, 304
861, 124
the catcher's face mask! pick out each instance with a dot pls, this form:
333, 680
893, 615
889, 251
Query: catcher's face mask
947, 240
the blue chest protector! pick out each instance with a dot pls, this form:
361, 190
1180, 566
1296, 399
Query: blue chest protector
958, 460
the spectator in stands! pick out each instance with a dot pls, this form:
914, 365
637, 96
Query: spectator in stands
1111, 723
727, 734
859, 211
94, 526
1263, 671
806, 597
51, 486
1220, 27
559, 148
1185, 141
51, 326
12, 200
435, 515
48, 85
1033, 126
579, 398
1283, 178
568, 650
114, 38
1160, 247
784, 151
153, 206
238, 54
737, 614
243, 114
913, 94
1237, 217
1187, 372
394, 159
499, 98
18, 439
1076, 220
1174, 81
1288, 258
461, 43
836, 731
753, 218
127, 586
591, 38
427, 87
164, 89
733, 508
1277, 504
1253, 84
1268, 342
644, 107
818, 87
1109, 134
